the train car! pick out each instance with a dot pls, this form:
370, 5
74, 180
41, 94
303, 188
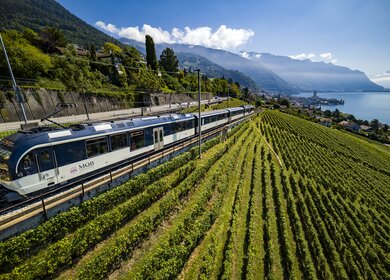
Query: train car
248, 110
39, 159
236, 113
212, 119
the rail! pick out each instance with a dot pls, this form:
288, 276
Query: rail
42, 203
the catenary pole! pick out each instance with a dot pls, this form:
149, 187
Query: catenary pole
19, 97
199, 120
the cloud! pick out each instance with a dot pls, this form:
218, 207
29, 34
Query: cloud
325, 57
223, 38
302, 56
382, 79
245, 55
108, 27
384, 76
249, 56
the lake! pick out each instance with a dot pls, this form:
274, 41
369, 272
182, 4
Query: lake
363, 105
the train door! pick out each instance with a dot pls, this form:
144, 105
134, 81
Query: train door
158, 138
46, 164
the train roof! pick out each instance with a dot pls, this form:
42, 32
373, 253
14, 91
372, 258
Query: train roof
39, 135
235, 109
212, 113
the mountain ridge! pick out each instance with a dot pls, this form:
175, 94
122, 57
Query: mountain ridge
212, 70
39, 14
307, 75
278, 73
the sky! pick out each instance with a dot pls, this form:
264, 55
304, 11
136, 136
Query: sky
352, 33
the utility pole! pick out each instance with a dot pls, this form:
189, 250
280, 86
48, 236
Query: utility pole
199, 120
228, 96
19, 96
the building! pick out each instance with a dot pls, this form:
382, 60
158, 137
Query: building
366, 128
326, 122
350, 126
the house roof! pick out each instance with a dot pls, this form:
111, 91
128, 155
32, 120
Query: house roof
365, 127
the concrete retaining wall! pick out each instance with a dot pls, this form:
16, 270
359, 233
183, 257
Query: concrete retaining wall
40, 102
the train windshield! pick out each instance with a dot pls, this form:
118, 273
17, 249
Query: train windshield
5, 153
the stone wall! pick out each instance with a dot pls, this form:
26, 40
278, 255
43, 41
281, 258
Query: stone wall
41, 102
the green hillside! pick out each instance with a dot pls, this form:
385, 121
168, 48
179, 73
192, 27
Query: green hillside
40, 14
282, 198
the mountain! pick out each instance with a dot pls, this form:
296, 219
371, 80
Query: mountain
307, 75
39, 14
263, 77
212, 70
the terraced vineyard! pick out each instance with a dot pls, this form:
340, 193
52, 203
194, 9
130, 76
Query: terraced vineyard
281, 198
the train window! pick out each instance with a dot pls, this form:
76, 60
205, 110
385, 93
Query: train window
70, 152
137, 140
168, 129
190, 124
118, 141
161, 135
45, 159
96, 147
178, 126
27, 165
155, 136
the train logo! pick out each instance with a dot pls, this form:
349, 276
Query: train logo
86, 165
73, 170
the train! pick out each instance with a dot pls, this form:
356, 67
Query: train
45, 158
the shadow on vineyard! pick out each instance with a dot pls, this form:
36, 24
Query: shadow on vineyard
282, 198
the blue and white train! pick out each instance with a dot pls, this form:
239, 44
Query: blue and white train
38, 160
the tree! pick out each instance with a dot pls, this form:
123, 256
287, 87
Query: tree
168, 61
51, 38
285, 102
151, 59
245, 93
92, 52
351, 118
146, 80
375, 125
26, 60
336, 113
75, 73
112, 48
31, 36
328, 113
234, 90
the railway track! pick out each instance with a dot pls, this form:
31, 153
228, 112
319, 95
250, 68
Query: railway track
42, 204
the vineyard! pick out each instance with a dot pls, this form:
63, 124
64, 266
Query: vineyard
281, 198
